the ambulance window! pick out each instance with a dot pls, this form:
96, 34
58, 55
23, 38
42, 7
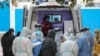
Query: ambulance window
55, 18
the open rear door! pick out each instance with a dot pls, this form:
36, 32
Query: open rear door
68, 24
25, 14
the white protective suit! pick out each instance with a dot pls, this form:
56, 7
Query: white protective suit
69, 48
1, 51
58, 36
66, 35
22, 45
33, 36
69, 34
37, 43
78, 35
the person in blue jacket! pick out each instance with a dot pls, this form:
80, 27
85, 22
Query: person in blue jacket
90, 39
85, 43
37, 39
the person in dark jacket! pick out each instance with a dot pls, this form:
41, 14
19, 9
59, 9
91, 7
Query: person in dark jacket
18, 33
6, 42
49, 47
46, 25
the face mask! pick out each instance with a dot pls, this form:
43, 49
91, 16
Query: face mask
38, 36
47, 19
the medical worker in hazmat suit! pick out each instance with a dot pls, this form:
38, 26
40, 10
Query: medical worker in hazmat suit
58, 35
85, 43
68, 47
37, 40
38, 28
66, 35
96, 48
22, 45
69, 34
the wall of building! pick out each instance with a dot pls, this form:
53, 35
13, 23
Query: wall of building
4, 18
91, 18
11, 17
18, 19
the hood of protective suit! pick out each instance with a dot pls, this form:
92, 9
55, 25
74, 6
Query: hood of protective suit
25, 32
71, 37
70, 30
78, 35
97, 33
38, 35
66, 34
51, 34
85, 31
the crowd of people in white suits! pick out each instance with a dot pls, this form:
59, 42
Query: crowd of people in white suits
56, 43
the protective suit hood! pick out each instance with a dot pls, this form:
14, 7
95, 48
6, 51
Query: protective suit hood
66, 34
51, 34
39, 35
70, 31
97, 33
70, 35
25, 32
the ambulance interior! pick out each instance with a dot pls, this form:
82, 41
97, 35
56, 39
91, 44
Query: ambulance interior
60, 16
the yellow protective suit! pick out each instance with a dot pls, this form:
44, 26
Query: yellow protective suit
96, 49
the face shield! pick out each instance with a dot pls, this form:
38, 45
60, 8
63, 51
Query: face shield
58, 30
38, 27
39, 35
85, 31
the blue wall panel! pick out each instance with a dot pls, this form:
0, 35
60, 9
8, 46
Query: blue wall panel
4, 18
91, 18
18, 20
